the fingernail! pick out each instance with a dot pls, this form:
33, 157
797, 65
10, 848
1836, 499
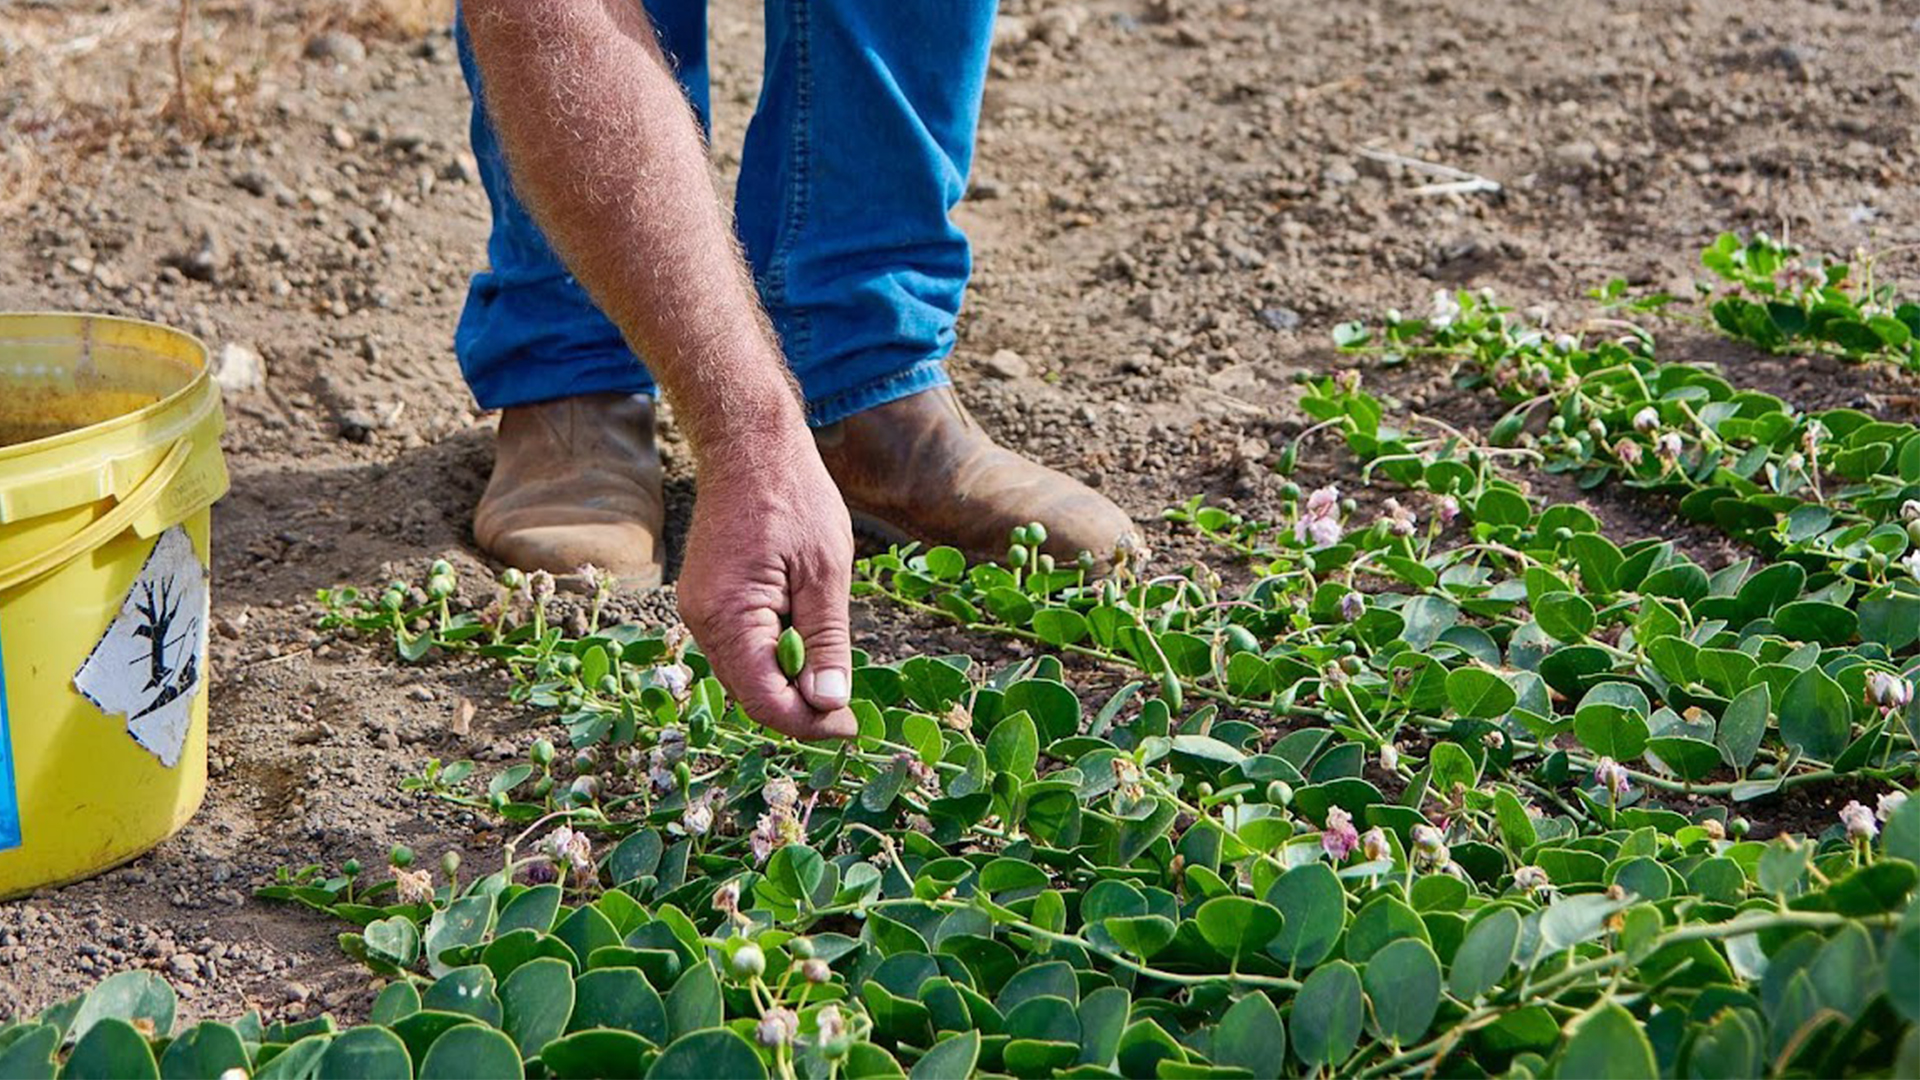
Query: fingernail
831, 687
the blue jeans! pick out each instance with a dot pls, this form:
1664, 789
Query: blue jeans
858, 150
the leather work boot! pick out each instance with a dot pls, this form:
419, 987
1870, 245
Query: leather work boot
921, 469
576, 481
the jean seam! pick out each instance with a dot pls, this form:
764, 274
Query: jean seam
799, 329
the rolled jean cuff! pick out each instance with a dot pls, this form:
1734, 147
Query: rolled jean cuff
530, 384
836, 407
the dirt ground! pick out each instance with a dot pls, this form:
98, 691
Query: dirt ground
1170, 210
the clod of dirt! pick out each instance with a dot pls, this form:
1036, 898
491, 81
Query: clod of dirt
337, 46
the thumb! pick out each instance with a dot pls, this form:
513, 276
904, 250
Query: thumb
819, 612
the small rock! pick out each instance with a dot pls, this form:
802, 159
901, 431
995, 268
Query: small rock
297, 993
1010, 32
357, 425
238, 369
1059, 27
337, 46
421, 693
1578, 154
1696, 162
184, 966
1282, 319
207, 259
1796, 59
1339, 173
982, 190
253, 182
341, 138
463, 168
1006, 364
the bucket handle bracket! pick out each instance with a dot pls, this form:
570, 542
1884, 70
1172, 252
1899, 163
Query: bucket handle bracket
107, 525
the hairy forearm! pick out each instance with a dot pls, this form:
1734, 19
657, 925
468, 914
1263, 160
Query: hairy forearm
605, 152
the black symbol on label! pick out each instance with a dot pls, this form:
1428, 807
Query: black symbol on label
158, 614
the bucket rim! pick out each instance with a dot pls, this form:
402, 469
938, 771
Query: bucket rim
195, 384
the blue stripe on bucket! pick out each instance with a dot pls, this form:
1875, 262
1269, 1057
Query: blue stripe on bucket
9, 803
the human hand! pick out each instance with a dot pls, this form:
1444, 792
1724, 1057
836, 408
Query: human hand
767, 542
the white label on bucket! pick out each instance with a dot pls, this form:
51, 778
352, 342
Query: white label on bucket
147, 667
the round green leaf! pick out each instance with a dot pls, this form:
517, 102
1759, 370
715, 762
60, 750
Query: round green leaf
598, 1054
206, 1049
952, 1058
618, 998
1688, 759
1059, 626
1237, 926
1327, 1015
1251, 1036
1054, 708
1314, 909
1565, 616
1479, 694
1814, 715
1816, 621
472, 1052
111, 1050
1385, 919
694, 1003
1141, 935
706, 1054
536, 1001
1485, 954
1403, 981
30, 1055
1610, 731
1013, 747
130, 996
1608, 1044
468, 990
366, 1053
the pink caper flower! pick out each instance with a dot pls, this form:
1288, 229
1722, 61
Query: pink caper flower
1449, 510
1400, 520
1647, 420
1352, 606
1531, 879
697, 819
777, 1028
1889, 804
1319, 521
1612, 775
1339, 838
1374, 845
1428, 841
1668, 447
569, 848
1859, 821
1628, 452
1888, 691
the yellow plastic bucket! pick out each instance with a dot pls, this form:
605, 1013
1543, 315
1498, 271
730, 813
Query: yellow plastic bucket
109, 463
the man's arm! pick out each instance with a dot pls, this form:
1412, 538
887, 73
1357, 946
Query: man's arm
603, 148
